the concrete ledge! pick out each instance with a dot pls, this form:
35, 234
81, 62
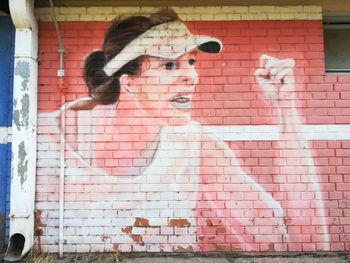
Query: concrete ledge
196, 258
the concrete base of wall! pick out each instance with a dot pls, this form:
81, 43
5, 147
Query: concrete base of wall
195, 258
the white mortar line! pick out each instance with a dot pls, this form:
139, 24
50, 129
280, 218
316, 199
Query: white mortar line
272, 132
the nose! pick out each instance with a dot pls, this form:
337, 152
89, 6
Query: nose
189, 74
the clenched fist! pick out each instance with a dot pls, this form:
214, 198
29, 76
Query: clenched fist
275, 77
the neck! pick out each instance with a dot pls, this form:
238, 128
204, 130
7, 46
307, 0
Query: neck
128, 142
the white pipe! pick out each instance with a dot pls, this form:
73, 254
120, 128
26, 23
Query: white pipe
62, 159
60, 74
60, 71
23, 165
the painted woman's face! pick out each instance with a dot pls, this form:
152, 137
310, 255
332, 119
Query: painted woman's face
164, 88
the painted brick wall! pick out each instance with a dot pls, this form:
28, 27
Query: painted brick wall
6, 89
232, 179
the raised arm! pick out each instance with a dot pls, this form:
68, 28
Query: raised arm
298, 175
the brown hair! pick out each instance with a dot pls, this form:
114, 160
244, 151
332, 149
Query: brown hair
106, 89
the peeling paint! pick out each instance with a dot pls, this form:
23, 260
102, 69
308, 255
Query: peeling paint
347, 247
22, 70
271, 248
21, 117
127, 229
223, 248
104, 238
25, 110
141, 222
22, 163
138, 222
286, 221
209, 222
183, 249
116, 247
179, 222
137, 239
221, 230
17, 119
4, 135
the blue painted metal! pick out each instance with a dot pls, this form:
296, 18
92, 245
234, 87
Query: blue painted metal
5, 171
7, 40
7, 33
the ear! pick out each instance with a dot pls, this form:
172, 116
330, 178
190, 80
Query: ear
128, 85
125, 83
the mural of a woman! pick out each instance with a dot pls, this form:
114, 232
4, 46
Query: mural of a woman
142, 82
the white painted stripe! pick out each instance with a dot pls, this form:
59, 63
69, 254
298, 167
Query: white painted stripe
272, 132
5, 134
253, 132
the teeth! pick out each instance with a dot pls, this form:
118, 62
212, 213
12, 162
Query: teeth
179, 98
182, 102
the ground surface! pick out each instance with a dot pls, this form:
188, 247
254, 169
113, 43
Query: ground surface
188, 258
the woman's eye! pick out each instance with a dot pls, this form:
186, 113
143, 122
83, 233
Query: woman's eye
169, 65
192, 62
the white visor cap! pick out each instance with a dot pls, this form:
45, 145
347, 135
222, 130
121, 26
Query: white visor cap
168, 40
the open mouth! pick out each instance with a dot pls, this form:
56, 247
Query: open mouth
182, 102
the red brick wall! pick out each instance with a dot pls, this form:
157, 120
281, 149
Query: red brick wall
227, 95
